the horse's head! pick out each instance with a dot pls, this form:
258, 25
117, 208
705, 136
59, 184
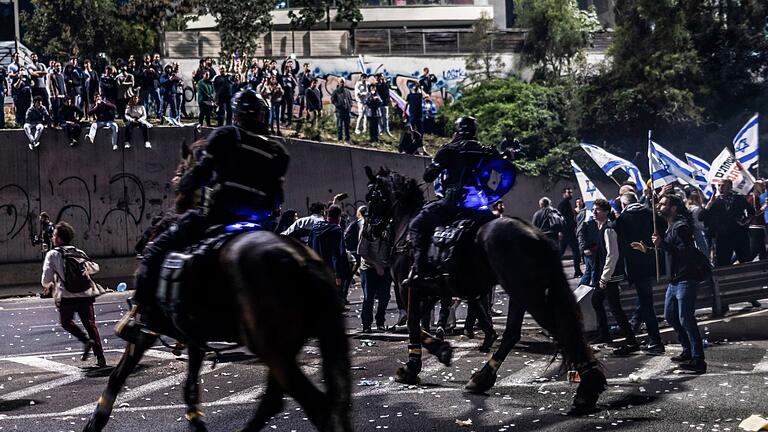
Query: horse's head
390, 197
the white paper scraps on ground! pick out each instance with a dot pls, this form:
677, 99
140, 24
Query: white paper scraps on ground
754, 423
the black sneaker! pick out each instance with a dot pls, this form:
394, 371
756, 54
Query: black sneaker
657, 349
101, 362
696, 366
381, 327
626, 350
367, 330
682, 358
468, 333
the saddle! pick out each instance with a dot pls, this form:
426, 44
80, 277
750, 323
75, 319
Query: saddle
451, 244
191, 293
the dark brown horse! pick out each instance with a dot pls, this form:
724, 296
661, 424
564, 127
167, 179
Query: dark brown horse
506, 251
271, 294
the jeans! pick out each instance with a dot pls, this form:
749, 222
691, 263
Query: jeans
274, 116
342, 125
644, 289
170, 103
374, 287
83, 307
224, 112
384, 120
757, 243
96, 125
33, 131
416, 122
72, 130
154, 94
611, 292
680, 313
586, 278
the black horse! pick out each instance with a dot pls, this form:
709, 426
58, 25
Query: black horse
506, 251
260, 285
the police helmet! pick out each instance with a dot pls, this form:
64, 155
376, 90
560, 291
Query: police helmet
250, 108
466, 127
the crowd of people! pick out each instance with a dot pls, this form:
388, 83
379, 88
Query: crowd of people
134, 91
691, 234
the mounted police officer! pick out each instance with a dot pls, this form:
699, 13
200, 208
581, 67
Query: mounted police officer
457, 164
242, 170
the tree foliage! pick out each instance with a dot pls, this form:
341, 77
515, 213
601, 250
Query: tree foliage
483, 63
558, 32
65, 27
535, 114
311, 13
241, 23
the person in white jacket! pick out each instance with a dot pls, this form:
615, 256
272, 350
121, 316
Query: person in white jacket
609, 271
136, 116
361, 94
68, 302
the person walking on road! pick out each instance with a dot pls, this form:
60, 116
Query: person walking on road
66, 272
689, 268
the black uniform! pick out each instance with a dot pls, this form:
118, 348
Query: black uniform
245, 172
457, 160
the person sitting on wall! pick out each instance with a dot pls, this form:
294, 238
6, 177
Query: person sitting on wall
34, 122
104, 112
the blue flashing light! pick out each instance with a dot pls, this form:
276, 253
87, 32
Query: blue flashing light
242, 226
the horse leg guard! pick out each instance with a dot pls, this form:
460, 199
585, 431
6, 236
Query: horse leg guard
482, 380
195, 420
100, 415
409, 374
440, 348
592, 384
490, 338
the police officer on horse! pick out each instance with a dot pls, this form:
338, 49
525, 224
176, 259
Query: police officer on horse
243, 171
457, 164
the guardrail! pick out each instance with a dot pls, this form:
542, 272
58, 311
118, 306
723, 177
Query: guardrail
731, 284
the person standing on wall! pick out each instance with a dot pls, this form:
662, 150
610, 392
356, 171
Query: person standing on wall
67, 274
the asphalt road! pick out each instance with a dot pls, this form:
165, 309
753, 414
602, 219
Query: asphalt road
44, 386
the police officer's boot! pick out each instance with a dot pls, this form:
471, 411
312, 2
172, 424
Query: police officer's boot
131, 328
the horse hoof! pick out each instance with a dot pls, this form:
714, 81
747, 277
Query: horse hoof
404, 376
582, 410
592, 384
488, 342
96, 423
445, 354
197, 425
481, 381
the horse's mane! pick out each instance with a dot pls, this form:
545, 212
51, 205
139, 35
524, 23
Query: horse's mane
405, 190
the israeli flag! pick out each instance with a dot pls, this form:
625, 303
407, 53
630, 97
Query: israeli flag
666, 168
589, 192
610, 163
700, 174
745, 144
361, 64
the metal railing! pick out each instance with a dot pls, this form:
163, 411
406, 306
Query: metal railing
730, 284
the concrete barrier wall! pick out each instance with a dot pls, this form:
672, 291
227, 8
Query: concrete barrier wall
110, 197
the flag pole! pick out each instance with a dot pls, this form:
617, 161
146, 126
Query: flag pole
653, 207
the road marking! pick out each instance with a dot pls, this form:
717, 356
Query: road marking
533, 370
141, 391
58, 325
50, 385
47, 365
762, 366
654, 368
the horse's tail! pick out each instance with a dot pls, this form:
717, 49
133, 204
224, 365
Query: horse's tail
567, 318
334, 348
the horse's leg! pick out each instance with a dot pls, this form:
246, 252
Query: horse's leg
271, 404
192, 390
409, 373
314, 402
559, 314
485, 378
131, 357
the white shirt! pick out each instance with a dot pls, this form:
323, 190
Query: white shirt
53, 272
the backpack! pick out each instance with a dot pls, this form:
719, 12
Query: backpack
76, 278
555, 221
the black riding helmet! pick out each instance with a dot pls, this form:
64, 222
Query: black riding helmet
250, 111
466, 127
